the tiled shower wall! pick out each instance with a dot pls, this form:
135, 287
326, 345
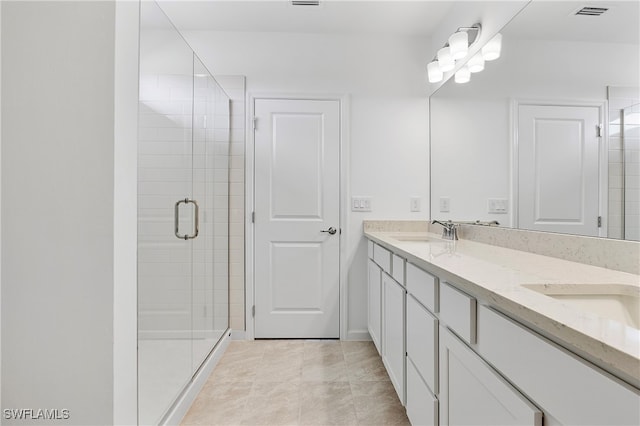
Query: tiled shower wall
234, 86
620, 98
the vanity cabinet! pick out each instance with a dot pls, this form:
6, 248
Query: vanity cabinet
473, 393
374, 305
393, 328
454, 359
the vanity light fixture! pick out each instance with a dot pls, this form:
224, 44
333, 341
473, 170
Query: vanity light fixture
457, 48
445, 60
476, 63
463, 75
491, 50
434, 72
459, 44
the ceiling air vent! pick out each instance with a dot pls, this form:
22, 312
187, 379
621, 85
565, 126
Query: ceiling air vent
591, 11
305, 2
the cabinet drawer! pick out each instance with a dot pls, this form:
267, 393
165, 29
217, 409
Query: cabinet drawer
398, 269
422, 342
458, 312
370, 249
382, 257
423, 286
570, 389
422, 406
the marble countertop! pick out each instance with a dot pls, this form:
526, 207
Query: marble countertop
505, 278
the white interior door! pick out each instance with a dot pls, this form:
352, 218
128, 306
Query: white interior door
558, 168
297, 199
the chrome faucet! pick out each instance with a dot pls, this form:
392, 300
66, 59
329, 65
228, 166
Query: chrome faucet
449, 229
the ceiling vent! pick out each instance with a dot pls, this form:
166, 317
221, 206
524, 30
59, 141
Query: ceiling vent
305, 2
591, 11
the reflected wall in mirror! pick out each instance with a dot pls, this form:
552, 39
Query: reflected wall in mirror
521, 142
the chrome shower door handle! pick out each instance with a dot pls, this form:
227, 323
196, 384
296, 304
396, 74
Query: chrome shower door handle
196, 219
330, 231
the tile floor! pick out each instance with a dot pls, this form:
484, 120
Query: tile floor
293, 382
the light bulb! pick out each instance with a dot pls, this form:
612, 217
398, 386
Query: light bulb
491, 50
434, 72
462, 75
459, 44
445, 60
476, 63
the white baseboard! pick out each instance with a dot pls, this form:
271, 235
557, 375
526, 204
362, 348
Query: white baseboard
238, 335
358, 335
182, 405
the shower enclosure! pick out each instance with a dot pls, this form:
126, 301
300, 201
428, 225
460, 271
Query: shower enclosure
183, 163
630, 125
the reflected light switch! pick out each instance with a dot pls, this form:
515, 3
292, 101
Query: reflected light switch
497, 205
445, 204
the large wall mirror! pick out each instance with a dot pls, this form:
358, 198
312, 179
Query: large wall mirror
547, 136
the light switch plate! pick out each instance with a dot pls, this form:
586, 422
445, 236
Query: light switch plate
360, 204
415, 204
445, 204
497, 205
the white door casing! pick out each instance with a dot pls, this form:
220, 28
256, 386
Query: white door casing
297, 196
558, 164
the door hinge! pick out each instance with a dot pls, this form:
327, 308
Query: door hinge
599, 130
599, 221
253, 217
255, 120
253, 311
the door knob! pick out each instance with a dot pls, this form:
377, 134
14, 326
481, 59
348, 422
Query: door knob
330, 231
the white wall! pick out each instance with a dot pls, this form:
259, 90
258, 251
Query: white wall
58, 202
472, 156
0, 202
125, 214
385, 79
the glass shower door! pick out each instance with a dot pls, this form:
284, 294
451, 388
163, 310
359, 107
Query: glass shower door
211, 188
166, 215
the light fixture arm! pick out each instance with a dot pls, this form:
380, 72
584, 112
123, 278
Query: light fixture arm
473, 32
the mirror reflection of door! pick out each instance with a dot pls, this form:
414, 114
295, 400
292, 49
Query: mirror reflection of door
558, 168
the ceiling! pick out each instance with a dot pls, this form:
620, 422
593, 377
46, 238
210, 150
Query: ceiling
556, 20
397, 17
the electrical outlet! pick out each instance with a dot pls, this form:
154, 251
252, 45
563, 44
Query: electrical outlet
360, 204
415, 204
445, 204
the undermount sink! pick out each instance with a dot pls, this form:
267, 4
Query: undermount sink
619, 302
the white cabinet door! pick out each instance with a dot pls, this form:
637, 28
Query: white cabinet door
393, 348
422, 342
422, 406
472, 393
374, 317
